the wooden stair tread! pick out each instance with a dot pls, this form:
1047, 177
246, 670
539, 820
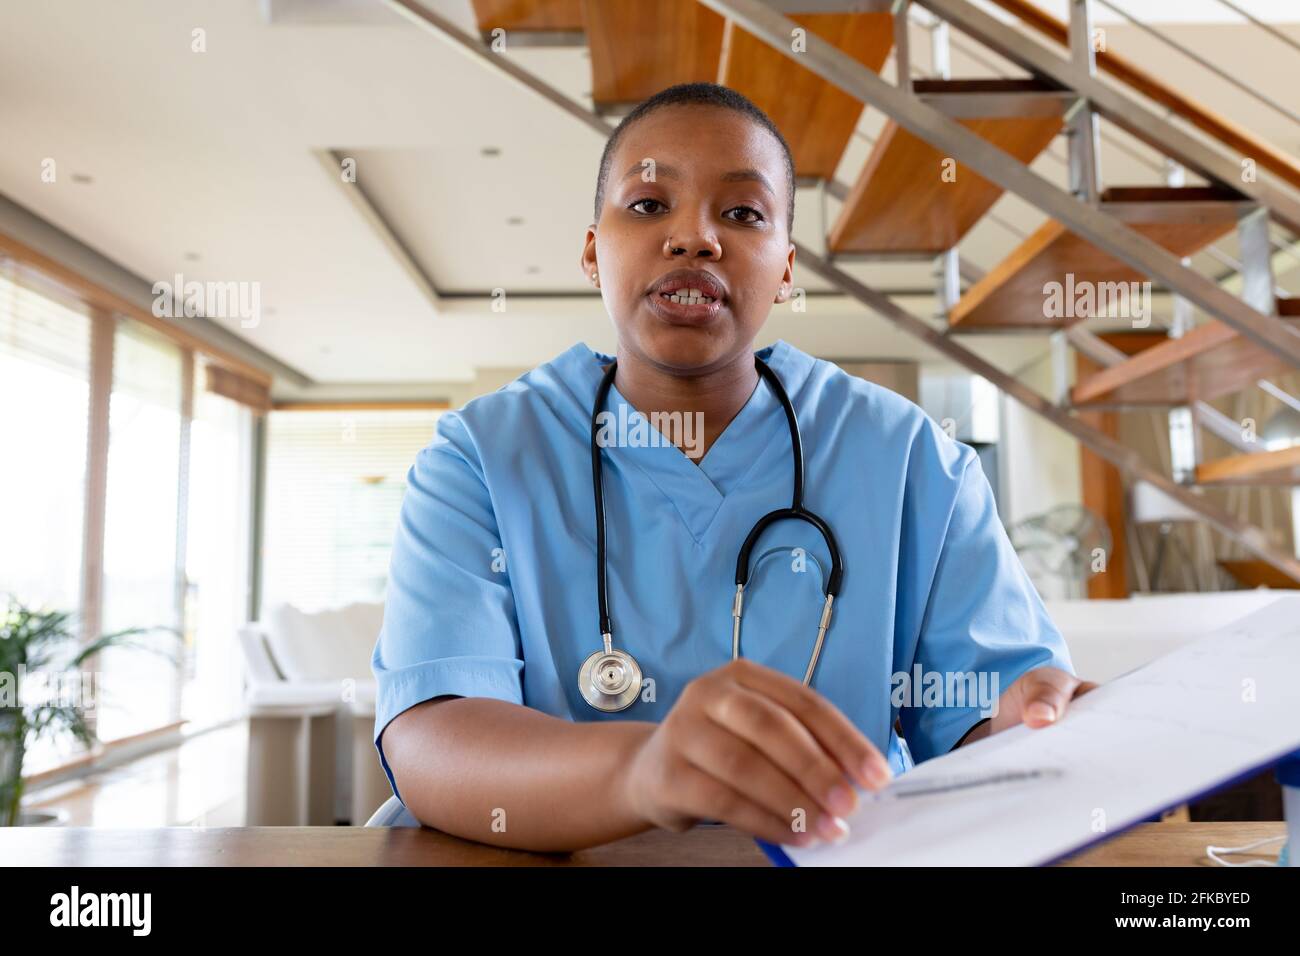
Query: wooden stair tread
529, 16
1278, 467
900, 203
1210, 360
1253, 573
639, 48
1010, 297
816, 117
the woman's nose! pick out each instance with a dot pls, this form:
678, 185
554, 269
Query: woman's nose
693, 244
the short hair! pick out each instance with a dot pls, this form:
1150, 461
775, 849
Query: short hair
696, 94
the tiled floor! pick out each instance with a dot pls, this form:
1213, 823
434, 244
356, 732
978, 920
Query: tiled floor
200, 783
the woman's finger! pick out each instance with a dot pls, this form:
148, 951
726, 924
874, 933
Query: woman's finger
701, 795
835, 733
752, 743
1047, 694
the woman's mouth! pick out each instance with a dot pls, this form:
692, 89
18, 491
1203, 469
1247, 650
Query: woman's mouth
685, 306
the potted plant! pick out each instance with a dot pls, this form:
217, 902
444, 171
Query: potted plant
45, 643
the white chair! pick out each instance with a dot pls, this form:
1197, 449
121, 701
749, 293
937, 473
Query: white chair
310, 697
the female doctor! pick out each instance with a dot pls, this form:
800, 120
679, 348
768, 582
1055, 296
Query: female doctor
571, 650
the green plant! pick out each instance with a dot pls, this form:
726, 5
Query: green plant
48, 643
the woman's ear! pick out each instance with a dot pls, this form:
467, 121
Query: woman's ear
588, 260
786, 289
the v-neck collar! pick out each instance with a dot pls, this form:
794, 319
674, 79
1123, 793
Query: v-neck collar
697, 492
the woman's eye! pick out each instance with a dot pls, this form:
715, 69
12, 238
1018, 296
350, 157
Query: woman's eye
744, 214
639, 205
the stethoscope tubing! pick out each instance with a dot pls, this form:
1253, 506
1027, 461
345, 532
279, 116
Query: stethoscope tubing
796, 511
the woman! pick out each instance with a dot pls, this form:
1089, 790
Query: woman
488, 723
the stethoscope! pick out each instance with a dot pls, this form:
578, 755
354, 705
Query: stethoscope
610, 680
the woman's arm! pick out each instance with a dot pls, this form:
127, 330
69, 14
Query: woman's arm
743, 744
509, 775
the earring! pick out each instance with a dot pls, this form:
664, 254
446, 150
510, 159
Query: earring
595, 279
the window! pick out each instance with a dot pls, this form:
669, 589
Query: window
125, 494
141, 527
44, 407
334, 488
216, 563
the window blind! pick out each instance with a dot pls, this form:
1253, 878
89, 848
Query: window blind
38, 330
335, 481
146, 366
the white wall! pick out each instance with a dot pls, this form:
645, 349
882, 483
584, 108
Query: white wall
1039, 462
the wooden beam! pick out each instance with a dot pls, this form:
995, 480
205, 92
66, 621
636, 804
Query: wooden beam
1278, 467
1102, 484
349, 406
103, 334
96, 297
1209, 361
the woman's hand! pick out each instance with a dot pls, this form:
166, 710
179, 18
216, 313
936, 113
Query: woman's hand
751, 747
1037, 699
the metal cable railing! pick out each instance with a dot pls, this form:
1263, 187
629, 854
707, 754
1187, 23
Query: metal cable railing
1203, 62
1267, 28
1212, 250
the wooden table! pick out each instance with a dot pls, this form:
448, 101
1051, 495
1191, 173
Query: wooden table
1150, 844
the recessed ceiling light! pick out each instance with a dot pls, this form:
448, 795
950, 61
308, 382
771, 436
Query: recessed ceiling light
491, 150
192, 256
533, 270
82, 178
515, 221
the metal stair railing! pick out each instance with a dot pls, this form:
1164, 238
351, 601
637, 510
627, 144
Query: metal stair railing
1203, 62
1128, 461
1101, 229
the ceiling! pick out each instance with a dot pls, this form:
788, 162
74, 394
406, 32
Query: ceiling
209, 164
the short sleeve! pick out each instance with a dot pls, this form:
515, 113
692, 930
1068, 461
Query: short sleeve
449, 623
983, 625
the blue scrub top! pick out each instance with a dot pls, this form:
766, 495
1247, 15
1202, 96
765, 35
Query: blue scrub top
492, 583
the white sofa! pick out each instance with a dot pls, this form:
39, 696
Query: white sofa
310, 699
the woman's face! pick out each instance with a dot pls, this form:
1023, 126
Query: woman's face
695, 199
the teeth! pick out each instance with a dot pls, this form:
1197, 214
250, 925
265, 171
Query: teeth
688, 297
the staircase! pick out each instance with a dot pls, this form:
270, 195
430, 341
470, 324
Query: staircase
984, 133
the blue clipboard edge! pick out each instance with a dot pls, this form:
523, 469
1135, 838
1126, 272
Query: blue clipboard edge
779, 858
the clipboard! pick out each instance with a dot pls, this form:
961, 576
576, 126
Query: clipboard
1200, 719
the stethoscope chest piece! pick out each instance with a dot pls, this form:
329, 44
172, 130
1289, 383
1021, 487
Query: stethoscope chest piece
610, 680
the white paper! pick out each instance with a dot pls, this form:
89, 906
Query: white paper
1159, 736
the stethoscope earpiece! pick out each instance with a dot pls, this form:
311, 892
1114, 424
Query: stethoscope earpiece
610, 680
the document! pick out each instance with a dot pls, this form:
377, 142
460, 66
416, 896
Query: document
1217, 710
